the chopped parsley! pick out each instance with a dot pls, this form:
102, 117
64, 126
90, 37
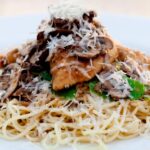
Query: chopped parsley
68, 94
46, 76
92, 85
138, 89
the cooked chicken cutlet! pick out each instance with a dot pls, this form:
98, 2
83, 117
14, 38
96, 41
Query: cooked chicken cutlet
125, 53
70, 70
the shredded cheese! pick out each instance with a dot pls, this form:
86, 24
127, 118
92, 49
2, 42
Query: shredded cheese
85, 35
66, 11
141, 71
117, 81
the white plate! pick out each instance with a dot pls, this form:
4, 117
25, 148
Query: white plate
132, 32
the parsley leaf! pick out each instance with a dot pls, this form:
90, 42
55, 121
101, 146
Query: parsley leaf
68, 94
46, 76
138, 89
92, 85
104, 95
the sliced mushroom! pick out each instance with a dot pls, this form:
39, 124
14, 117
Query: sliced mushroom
43, 57
89, 16
27, 48
108, 87
76, 22
4, 82
86, 54
60, 23
14, 79
117, 94
24, 93
102, 44
13, 85
31, 52
39, 57
40, 37
106, 43
60, 32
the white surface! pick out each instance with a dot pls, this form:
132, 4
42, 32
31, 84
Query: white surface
132, 32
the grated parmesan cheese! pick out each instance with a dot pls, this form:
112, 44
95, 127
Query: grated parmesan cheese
145, 77
61, 42
1, 71
85, 35
141, 71
116, 79
2, 93
66, 11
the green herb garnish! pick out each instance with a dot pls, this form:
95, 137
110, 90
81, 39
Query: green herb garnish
138, 89
92, 85
68, 94
104, 95
46, 76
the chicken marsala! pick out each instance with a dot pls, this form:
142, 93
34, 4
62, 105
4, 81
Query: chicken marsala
72, 48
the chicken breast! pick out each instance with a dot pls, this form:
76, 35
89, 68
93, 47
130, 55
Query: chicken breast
69, 70
125, 53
